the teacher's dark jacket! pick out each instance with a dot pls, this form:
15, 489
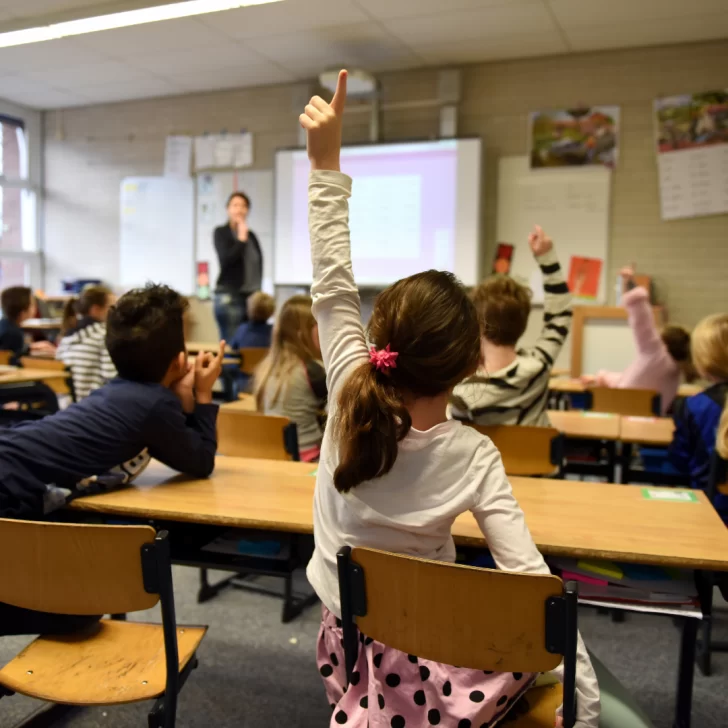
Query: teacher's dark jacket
233, 261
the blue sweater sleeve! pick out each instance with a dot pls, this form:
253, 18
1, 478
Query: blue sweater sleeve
683, 442
186, 443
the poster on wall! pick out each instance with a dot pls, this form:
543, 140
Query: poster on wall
584, 277
692, 154
223, 151
576, 137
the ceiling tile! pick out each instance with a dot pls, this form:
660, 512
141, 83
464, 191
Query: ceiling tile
51, 100
484, 23
508, 46
168, 35
225, 54
656, 32
69, 78
142, 88
33, 8
408, 8
48, 55
285, 17
594, 13
309, 52
235, 77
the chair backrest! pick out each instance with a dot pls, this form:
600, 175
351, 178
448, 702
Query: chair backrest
250, 358
527, 450
627, 402
59, 386
74, 569
5, 357
30, 400
253, 435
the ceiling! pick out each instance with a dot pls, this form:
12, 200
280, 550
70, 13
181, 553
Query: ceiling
296, 39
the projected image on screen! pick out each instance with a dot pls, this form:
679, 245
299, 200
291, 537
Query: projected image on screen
414, 206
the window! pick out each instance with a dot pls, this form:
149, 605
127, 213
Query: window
20, 262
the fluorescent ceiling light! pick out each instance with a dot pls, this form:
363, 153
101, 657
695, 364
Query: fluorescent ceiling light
122, 20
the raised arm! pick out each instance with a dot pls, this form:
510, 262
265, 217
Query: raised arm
639, 313
504, 526
557, 299
336, 304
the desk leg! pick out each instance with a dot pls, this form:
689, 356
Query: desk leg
626, 463
686, 670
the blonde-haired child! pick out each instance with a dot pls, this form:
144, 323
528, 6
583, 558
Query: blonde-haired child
696, 418
291, 381
394, 471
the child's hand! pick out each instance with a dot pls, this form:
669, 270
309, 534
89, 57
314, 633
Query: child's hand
559, 722
540, 242
184, 388
207, 372
588, 380
627, 274
322, 123
45, 347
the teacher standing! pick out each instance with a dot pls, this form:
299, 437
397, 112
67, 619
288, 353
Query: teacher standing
241, 266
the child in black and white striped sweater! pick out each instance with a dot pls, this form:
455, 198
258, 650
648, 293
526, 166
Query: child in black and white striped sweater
511, 385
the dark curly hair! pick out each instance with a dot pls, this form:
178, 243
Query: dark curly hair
144, 332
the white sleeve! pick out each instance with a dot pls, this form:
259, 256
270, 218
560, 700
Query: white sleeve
504, 526
336, 304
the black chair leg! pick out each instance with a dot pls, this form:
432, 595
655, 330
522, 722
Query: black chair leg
704, 647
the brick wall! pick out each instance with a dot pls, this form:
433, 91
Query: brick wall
89, 150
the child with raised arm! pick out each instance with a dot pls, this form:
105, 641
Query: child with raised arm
394, 471
511, 385
663, 357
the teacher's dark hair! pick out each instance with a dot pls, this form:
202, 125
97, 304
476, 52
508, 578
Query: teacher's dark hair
241, 195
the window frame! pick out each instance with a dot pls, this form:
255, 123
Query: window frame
32, 121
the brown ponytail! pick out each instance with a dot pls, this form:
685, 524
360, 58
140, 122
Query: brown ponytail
431, 323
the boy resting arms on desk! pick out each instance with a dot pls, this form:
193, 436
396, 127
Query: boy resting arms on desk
160, 406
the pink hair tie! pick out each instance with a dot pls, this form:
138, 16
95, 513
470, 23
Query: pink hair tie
383, 359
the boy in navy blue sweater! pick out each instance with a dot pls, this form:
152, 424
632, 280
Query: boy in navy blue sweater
160, 406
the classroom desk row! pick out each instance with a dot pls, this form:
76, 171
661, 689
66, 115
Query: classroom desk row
568, 385
587, 425
566, 518
20, 375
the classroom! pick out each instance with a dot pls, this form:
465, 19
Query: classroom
363, 362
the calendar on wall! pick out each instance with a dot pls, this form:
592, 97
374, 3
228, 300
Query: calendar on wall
692, 154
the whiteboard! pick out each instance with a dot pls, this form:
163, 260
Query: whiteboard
213, 190
157, 232
572, 206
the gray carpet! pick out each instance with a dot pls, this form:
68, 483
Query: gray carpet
257, 673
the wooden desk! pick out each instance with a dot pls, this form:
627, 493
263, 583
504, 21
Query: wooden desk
566, 385
195, 347
244, 403
18, 375
688, 390
647, 430
53, 324
566, 518
588, 425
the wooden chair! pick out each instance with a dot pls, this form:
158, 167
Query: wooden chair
627, 402
88, 570
527, 450
5, 357
253, 435
461, 615
59, 386
250, 359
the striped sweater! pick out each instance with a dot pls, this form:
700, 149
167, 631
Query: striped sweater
84, 352
518, 393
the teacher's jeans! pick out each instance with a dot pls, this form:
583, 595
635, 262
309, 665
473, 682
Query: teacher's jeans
230, 311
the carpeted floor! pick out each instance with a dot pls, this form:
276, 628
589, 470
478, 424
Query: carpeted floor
258, 673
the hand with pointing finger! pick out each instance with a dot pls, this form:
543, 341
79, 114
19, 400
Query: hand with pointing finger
322, 122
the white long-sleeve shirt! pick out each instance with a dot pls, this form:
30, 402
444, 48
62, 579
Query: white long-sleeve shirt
439, 473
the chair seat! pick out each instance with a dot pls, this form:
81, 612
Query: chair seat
114, 662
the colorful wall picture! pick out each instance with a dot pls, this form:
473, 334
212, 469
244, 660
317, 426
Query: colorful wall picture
203, 280
584, 275
503, 259
574, 137
691, 121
